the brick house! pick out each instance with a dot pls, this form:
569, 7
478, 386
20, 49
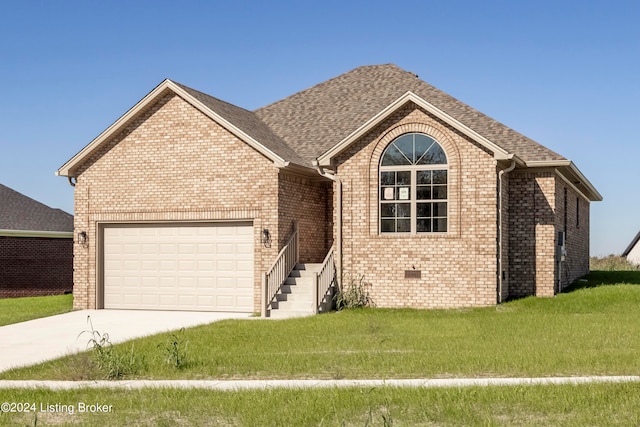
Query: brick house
36, 247
192, 203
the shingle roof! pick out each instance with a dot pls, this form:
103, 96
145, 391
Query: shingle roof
316, 119
19, 212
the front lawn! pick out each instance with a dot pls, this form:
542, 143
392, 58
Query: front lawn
15, 310
548, 405
591, 330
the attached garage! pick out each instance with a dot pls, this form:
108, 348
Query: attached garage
197, 267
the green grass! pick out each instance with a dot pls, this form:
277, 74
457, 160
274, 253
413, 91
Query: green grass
593, 329
567, 405
14, 310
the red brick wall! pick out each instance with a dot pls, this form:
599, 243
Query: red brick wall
31, 266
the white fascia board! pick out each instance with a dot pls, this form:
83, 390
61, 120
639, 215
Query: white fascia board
31, 233
571, 185
65, 170
594, 195
498, 152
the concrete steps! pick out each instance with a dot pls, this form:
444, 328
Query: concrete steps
295, 298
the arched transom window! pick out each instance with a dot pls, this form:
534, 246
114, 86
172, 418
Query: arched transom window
413, 186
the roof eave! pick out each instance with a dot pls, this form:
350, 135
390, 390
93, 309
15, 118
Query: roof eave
69, 168
498, 153
572, 174
631, 245
36, 233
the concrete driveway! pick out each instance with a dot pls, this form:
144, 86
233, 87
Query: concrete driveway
38, 340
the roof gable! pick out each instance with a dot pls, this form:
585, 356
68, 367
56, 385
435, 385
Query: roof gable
632, 245
350, 100
21, 213
325, 158
318, 123
242, 123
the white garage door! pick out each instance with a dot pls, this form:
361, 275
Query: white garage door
178, 267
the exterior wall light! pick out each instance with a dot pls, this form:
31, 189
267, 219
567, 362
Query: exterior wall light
266, 238
83, 238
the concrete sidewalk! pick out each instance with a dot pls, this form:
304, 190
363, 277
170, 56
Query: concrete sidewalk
233, 385
48, 338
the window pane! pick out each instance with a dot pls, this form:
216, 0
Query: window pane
423, 177
422, 144
404, 193
404, 225
388, 210
387, 178
423, 193
403, 178
440, 225
439, 177
439, 191
439, 209
403, 210
435, 156
423, 210
423, 226
388, 225
387, 193
405, 145
393, 157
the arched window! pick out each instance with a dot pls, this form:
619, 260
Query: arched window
413, 186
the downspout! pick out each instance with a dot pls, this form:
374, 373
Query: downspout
503, 172
333, 177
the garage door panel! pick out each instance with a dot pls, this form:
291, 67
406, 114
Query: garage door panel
244, 300
208, 267
226, 282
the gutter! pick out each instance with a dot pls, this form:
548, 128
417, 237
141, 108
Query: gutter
333, 177
503, 172
32, 233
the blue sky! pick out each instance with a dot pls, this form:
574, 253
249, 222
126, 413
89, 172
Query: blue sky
566, 74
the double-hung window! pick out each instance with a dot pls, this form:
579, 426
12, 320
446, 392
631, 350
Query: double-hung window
413, 186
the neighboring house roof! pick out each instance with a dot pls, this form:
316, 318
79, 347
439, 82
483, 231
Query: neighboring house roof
22, 216
633, 243
318, 123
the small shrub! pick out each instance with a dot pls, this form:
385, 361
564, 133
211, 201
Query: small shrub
113, 363
176, 350
353, 293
